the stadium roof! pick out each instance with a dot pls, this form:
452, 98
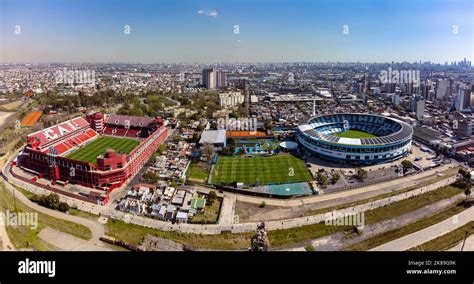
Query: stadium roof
404, 132
213, 137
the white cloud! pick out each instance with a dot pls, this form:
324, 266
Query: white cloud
208, 13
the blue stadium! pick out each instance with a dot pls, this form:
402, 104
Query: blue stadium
355, 139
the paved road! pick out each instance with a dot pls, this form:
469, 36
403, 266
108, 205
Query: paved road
427, 234
226, 216
6, 245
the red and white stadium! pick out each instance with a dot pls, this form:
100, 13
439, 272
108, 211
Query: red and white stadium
44, 155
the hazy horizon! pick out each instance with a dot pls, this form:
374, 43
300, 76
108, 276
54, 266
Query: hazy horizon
204, 32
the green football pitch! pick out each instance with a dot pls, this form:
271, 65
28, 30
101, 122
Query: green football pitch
89, 152
261, 170
354, 134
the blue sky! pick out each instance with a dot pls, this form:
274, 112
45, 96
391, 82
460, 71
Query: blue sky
269, 30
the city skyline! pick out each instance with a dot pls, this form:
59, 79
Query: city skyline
206, 32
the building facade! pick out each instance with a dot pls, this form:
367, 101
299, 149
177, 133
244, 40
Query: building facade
393, 139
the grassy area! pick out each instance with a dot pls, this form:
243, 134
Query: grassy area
89, 152
83, 214
410, 204
264, 170
134, 234
354, 134
210, 214
26, 237
299, 235
408, 229
25, 192
197, 172
431, 179
447, 240
72, 211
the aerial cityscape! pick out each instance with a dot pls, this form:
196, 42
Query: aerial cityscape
237, 125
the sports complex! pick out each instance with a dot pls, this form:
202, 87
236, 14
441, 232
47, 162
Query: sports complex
355, 139
98, 151
260, 170
276, 176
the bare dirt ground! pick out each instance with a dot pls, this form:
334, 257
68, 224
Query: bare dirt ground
13, 105
4, 115
65, 241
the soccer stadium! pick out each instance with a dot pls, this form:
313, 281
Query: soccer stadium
355, 139
100, 151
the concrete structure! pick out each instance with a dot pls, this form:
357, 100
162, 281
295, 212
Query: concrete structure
420, 108
211, 78
216, 138
231, 99
442, 89
393, 139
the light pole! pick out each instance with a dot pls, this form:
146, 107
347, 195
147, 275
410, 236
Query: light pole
466, 234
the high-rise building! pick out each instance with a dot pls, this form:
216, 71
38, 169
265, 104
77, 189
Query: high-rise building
463, 99
442, 89
470, 98
209, 78
426, 88
396, 99
420, 108
221, 81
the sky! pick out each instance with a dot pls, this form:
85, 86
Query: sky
210, 31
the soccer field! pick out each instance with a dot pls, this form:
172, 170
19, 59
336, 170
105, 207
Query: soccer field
264, 170
89, 152
354, 134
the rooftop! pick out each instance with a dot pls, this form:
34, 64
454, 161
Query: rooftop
213, 137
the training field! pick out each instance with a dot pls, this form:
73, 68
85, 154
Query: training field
89, 152
354, 134
264, 170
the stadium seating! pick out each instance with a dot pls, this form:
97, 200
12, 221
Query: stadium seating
128, 126
78, 139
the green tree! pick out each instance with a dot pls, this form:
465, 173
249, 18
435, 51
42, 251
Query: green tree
335, 176
322, 179
467, 190
465, 174
212, 196
309, 247
407, 165
361, 174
